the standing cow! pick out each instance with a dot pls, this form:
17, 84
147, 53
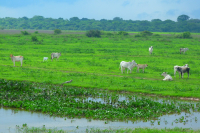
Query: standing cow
175, 68
182, 70
150, 50
141, 66
55, 55
129, 65
16, 58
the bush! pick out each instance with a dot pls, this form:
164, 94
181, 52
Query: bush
36, 32
137, 35
93, 33
123, 33
34, 38
146, 33
179, 36
156, 35
187, 34
57, 31
25, 33
109, 34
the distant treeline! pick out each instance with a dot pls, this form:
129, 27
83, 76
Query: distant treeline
117, 24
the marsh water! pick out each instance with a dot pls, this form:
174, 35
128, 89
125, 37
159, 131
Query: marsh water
9, 118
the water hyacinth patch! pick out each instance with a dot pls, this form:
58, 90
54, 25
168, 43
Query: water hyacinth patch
90, 103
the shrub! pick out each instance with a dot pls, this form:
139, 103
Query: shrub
93, 33
57, 31
36, 32
186, 34
34, 38
25, 33
156, 35
146, 33
137, 35
109, 34
179, 36
124, 33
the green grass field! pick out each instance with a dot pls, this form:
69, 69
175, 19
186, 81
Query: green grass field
94, 62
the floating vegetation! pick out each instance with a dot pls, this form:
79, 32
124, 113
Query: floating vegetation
74, 102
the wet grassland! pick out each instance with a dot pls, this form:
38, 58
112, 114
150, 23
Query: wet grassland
93, 64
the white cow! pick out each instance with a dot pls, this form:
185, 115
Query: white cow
150, 50
129, 65
167, 76
183, 50
45, 58
55, 55
141, 66
175, 68
16, 58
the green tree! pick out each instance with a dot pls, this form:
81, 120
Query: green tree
183, 18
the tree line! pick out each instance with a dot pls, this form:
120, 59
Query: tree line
183, 23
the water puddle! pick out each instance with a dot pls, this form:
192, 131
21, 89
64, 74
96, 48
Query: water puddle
9, 118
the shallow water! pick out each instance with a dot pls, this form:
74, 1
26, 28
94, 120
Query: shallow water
9, 118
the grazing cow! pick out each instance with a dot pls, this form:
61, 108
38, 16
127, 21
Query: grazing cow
16, 58
175, 68
150, 50
183, 50
55, 55
129, 65
45, 58
167, 76
141, 66
182, 70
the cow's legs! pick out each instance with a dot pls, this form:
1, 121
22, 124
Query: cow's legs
122, 69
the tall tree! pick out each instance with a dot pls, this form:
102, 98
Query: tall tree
183, 18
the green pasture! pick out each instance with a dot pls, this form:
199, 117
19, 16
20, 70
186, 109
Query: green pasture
94, 62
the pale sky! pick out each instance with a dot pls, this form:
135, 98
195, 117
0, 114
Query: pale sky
101, 9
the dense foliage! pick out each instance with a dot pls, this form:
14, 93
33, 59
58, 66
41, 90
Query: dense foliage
117, 24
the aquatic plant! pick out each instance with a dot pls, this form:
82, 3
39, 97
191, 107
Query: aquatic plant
81, 102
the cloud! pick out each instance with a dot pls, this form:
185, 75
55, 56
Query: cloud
102, 9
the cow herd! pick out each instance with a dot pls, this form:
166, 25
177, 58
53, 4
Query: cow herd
181, 69
123, 65
20, 58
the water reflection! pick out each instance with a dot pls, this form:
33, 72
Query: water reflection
9, 118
